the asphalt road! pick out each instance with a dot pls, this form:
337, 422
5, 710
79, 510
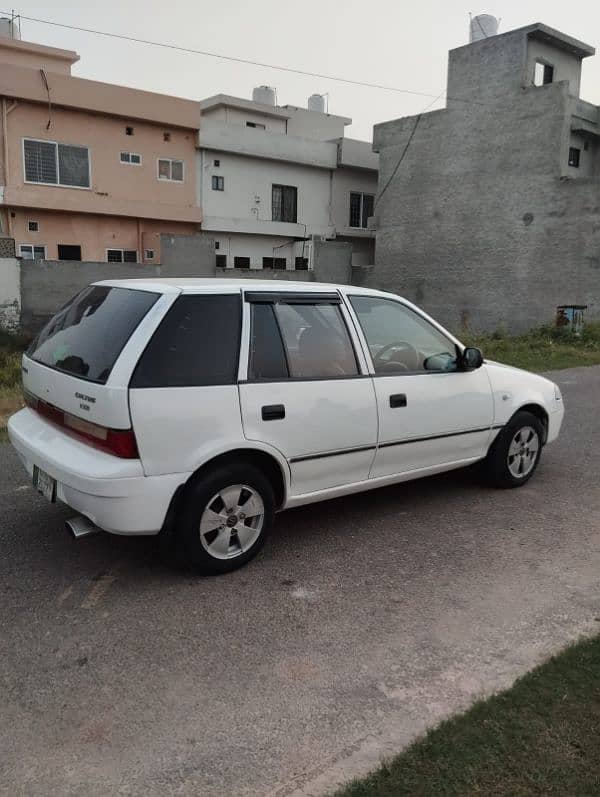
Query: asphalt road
364, 620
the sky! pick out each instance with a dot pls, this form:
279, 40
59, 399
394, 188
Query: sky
395, 43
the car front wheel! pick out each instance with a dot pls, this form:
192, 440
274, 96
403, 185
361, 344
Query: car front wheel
224, 519
515, 453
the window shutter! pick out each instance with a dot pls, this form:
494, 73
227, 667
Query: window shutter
73, 166
40, 161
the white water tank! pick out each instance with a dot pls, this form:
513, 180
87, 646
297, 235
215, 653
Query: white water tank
482, 27
264, 94
9, 28
316, 102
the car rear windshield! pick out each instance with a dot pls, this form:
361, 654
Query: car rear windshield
86, 337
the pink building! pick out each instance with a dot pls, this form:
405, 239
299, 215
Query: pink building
88, 170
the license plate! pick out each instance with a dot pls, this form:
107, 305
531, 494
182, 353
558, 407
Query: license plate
44, 484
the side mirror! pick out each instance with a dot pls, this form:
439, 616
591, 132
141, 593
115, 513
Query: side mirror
471, 358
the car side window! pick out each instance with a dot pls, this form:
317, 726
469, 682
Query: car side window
399, 340
196, 344
301, 341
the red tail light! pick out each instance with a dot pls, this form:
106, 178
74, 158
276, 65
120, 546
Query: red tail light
119, 442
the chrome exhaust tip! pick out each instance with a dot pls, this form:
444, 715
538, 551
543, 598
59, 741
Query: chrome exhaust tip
81, 526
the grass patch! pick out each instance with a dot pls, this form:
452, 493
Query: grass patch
11, 397
543, 349
541, 737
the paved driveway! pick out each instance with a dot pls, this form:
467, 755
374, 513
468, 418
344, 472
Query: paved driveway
364, 620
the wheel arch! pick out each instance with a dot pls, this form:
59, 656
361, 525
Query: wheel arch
539, 411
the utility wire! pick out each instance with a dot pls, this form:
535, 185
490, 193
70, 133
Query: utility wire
234, 59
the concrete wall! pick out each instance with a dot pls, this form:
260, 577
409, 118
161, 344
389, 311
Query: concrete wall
46, 284
333, 262
10, 294
480, 225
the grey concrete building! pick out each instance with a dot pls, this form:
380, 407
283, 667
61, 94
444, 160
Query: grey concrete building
491, 217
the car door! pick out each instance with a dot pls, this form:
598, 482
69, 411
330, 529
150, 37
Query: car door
430, 413
307, 391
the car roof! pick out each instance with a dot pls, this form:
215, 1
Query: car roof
216, 285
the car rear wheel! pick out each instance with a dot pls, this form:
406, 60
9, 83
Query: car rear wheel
515, 453
224, 518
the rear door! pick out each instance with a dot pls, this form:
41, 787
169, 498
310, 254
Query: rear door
183, 393
76, 363
307, 392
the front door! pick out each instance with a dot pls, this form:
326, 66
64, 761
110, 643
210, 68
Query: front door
306, 393
430, 413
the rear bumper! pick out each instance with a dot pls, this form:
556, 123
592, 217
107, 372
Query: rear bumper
112, 492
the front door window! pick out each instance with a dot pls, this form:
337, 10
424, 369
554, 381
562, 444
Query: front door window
400, 340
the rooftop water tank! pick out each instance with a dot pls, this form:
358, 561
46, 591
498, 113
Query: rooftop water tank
316, 102
482, 27
9, 28
264, 94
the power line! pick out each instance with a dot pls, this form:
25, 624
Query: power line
235, 59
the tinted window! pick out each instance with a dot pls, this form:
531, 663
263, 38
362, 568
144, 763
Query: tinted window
399, 339
316, 341
267, 356
196, 344
87, 335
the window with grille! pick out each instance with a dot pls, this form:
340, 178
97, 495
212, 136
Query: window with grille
33, 226
241, 262
31, 252
285, 203
574, 156
50, 163
361, 207
218, 183
301, 263
133, 158
121, 255
221, 261
169, 169
149, 254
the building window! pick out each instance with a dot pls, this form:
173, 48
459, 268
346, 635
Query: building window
574, 154
69, 252
149, 254
130, 157
280, 263
166, 136
301, 264
217, 163
218, 183
169, 169
361, 207
543, 73
217, 244
267, 262
121, 256
221, 261
31, 252
129, 131
33, 226
241, 262
285, 203
50, 163
257, 125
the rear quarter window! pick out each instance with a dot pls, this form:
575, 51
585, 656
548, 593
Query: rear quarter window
87, 335
196, 344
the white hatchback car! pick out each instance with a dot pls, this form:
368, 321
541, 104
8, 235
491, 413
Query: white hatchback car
197, 408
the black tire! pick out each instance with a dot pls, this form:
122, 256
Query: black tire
496, 466
189, 548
